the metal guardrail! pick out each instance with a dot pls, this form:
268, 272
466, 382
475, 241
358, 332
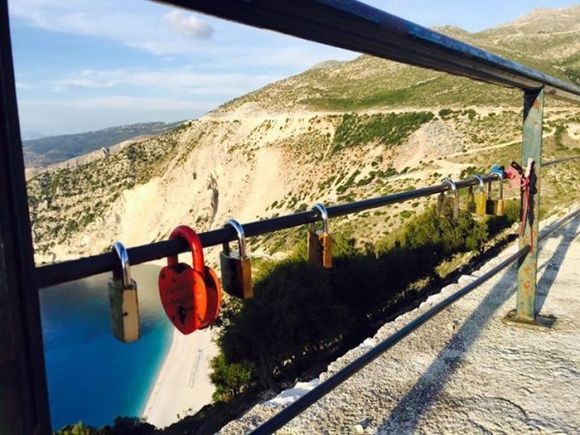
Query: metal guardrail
355, 26
84, 267
71, 270
562, 160
301, 404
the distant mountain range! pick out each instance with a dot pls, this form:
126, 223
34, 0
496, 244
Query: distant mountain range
54, 149
31, 135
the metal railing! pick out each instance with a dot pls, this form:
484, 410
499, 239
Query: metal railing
562, 160
84, 267
71, 270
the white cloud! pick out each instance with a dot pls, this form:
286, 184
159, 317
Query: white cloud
133, 23
187, 25
165, 31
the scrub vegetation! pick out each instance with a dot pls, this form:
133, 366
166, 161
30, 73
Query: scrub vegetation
302, 315
389, 129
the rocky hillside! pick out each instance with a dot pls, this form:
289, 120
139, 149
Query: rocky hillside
335, 133
548, 40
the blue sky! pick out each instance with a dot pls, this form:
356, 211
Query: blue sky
89, 64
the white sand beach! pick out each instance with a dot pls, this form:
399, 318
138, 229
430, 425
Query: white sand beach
183, 385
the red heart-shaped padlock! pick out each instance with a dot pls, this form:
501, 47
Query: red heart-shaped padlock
183, 296
191, 297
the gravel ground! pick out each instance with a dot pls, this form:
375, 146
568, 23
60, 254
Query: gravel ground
466, 370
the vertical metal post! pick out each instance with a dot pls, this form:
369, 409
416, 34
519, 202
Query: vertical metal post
23, 391
531, 148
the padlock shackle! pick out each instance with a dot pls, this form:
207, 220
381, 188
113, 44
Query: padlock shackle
455, 196
481, 182
194, 243
119, 248
500, 178
241, 237
453, 187
323, 215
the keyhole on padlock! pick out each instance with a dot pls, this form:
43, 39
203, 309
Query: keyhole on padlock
181, 312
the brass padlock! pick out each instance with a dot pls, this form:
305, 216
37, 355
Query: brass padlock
470, 199
123, 300
236, 267
444, 201
480, 198
496, 207
320, 242
441, 203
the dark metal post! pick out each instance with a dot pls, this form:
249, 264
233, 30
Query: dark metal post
23, 391
531, 149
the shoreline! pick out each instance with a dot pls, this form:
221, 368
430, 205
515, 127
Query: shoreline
182, 385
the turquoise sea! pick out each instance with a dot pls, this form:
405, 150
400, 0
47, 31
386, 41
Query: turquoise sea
92, 377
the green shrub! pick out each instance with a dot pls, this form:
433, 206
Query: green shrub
121, 426
292, 316
76, 429
559, 132
444, 234
471, 114
230, 379
389, 129
445, 113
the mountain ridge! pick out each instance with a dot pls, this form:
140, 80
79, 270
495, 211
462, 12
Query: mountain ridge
368, 82
282, 148
55, 149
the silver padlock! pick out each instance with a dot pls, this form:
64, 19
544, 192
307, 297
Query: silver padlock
123, 300
236, 267
444, 200
320, 242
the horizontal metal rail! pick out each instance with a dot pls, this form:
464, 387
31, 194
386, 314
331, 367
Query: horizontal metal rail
345, 373
562, 160
71, 270
355, 26
559, 224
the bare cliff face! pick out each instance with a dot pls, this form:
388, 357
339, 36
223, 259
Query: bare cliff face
339, 132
